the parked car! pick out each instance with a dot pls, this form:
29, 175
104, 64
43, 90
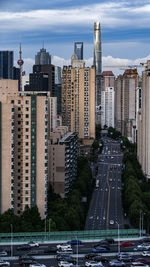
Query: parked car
93, 263
99, 250
4, 263
64, 250
145, 239
63, 246
24, 247
110, 240
25, 258
145, 246
100, 258
146, 253
3, 253
36, 264
90, 256
50, 250
74, 242
115, 262
143, 260
138, 264
126, 244
64, 264
33, 244
125, 257
139, 248
64, 257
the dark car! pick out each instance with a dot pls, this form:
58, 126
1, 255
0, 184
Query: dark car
25, 260
90, 256
101, 243
110, 240
50, 250
99, 258
74, 242
103, 246
24, 247
64, 257
142, 260
99, 250
145, 239
126, 258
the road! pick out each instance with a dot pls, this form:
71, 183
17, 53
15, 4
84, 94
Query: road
105, 210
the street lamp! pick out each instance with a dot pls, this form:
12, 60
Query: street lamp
118, 238
11, 227
49, 226
77, 250
45, 227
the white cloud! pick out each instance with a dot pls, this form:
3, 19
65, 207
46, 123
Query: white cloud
111, 14
108, 60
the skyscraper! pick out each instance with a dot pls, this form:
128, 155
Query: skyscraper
97, 48
6, 64
42, 57
78, 49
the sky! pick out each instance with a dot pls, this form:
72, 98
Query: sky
125, 29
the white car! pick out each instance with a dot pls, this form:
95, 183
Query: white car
64, 264
4, 263
33, 244
93, 263
138, 264
146, 246
111, 222
37, 265
146, 253
3, 253
63, 246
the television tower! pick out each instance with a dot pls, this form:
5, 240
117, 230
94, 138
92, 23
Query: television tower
20, 63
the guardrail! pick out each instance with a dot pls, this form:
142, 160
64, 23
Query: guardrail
69, 235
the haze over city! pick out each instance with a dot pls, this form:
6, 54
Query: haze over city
125, 28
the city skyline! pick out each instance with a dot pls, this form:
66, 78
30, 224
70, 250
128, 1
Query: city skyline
124, 25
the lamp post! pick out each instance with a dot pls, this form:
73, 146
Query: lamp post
49, 226
45, 227
77, 250
140, 222
11, 227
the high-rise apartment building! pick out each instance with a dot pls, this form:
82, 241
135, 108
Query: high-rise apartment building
125, 103
63, 150
108, 105
78, 100
57, 92
78, 50
144, 123
6, 64
25, 120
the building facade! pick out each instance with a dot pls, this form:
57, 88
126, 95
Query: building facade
6, 64
78, 50
43, 57
78, 100
63, 151
108, 105
24, 126
125, 103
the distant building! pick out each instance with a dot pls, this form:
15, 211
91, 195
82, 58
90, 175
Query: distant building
25, 122
78, 50
108, 105
63, 151
57, 92
6, 64
125, 103
43, 57
78, 99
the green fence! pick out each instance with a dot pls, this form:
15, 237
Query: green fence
69, 235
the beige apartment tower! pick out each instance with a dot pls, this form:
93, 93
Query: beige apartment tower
78, 99
24, 124
144, 123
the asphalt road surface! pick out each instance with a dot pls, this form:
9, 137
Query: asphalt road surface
105, 210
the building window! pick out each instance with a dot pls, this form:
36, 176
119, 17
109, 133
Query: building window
27, 136
27, 129
26, 164
26, 185
27, 123
27, 109
12, 109
27, 143
27, 101
27, 115
19, 101
26, 192
12, 101
27, 150
26, 178
26, 199
26, 171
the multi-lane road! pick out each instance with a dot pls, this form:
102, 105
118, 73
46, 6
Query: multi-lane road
105, 210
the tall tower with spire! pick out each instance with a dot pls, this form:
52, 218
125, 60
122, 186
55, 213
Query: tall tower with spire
97, 48
20, 62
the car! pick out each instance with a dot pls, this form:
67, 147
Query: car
143, 260
145, 246
64, 264
100, 258
99, 250
64, 250
111, 222
50, 250
101, 243
90, 256
125, 257
24, 247
63, 246
36, 264
146, 253
115, 262
4, 263
25, 258
139, 249
126, 244
64, 257
33, 244
93, 263
3, 253
110, 240
74, 242
27, 262
145, 239
138, 264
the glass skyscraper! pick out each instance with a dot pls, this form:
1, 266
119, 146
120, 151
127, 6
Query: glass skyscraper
78, 49
6, 64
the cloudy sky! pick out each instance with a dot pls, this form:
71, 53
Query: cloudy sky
125, 27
